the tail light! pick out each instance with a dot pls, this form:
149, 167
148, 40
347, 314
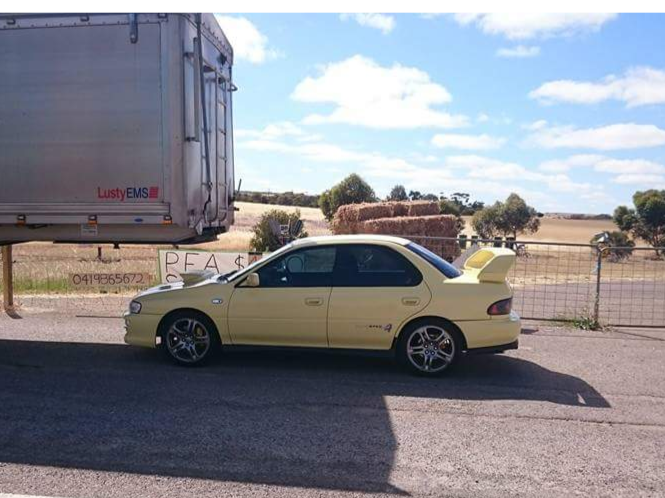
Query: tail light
502, 307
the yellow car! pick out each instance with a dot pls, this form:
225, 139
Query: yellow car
364, 292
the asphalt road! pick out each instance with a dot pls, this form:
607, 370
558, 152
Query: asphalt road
83, 415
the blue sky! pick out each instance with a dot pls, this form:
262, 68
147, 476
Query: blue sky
567, 110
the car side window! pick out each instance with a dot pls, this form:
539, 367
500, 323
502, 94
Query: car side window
311, 267
365, 265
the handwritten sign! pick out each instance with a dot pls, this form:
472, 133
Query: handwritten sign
176, 261
106, 280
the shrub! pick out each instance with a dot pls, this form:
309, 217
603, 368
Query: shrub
264, 239
615, 246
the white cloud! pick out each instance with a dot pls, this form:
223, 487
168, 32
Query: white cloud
633, 166
523, 26
611, 137
536, 125
518, 52
576, 161
482, 118
468, 142
657, 181
272, 130
603, 164
483, 176
638, 86
431, 15
367, 94
382, 22
247, 41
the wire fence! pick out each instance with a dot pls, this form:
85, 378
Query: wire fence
551, 281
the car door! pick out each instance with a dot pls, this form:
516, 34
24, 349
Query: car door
375, 289
290, 305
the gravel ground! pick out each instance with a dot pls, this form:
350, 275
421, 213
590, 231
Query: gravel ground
570, 412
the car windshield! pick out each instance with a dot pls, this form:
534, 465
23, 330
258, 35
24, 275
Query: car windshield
436, 261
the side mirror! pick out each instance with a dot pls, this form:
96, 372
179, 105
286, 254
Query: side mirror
252, 280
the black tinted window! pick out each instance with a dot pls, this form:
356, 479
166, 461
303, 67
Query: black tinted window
311, 267
373, 266
437, 261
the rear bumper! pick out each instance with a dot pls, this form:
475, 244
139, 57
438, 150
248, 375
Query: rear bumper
498, 332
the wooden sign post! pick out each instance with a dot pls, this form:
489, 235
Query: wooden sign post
7, 279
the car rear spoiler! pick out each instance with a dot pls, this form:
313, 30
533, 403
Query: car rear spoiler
490, 264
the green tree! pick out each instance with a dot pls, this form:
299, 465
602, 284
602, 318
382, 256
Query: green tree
484, 221
517, 217
511, 217
265, 239
398, 193
352, 190
446, 206
647, 220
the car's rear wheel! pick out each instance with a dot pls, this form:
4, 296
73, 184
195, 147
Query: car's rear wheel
189, 338
429, 347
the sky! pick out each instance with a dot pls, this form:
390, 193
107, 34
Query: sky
567, 110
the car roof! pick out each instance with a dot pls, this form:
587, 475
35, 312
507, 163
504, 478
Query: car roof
350, 239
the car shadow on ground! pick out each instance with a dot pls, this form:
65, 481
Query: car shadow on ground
302, 419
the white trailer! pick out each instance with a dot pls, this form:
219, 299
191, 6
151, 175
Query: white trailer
115, 128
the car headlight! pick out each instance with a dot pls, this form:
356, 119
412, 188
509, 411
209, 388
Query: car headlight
135, 307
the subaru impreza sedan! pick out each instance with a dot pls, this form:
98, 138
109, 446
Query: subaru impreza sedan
359, 292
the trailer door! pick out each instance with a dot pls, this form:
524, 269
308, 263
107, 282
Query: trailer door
81, 117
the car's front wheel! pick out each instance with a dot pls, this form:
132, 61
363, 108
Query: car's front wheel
429, 347
189, 338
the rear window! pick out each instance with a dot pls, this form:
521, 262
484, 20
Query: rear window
436, 261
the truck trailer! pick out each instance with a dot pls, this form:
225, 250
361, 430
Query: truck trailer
115, 128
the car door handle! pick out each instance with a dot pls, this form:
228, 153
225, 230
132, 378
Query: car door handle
410, 301
314, 301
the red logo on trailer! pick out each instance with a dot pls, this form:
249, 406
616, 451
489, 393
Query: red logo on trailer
127, 193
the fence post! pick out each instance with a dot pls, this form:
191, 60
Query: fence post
7, 278
596, 302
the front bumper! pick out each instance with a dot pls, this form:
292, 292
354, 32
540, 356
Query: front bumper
497, 332
141, 329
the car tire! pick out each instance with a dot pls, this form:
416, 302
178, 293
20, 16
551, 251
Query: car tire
189, 338
429, 347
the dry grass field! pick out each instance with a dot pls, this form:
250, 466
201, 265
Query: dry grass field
561, 230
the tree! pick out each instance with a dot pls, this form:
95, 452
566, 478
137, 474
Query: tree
506, 218
415, 195
352, 190
398, 193
265, 239
484, 221
430, 197
647, 220
517, 217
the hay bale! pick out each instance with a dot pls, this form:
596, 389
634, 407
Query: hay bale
422, 208
419, 229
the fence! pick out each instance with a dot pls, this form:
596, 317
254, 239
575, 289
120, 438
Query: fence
551, 281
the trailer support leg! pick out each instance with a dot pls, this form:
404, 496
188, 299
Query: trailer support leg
7, 279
